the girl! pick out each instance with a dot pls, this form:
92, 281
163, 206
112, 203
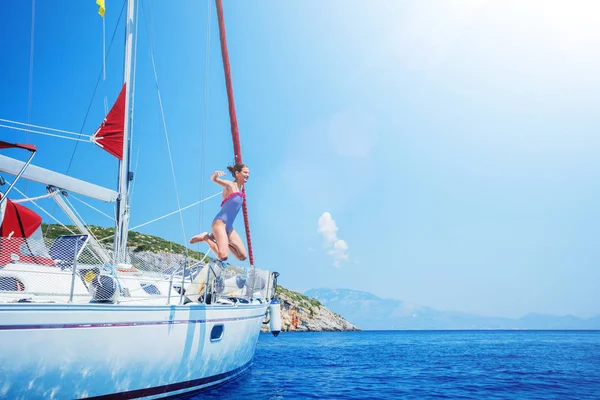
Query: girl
223, 235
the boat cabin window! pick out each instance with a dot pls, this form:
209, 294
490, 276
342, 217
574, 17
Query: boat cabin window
11, 284
150, 289
216, 333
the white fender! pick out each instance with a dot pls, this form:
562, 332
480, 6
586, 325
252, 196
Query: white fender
275, 314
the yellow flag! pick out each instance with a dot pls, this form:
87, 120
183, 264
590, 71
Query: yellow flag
101, 8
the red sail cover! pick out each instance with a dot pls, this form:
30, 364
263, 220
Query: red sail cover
6, 145
17, 224
19, 220
109, 135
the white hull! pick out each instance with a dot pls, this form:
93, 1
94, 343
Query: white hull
59, 336
122, 351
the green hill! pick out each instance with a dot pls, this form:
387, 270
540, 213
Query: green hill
135, 240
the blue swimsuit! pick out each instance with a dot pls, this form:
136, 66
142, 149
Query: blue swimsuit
229, 209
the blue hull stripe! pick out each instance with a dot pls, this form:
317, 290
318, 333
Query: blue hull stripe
122, 324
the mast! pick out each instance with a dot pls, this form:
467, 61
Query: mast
237, 149
122, 209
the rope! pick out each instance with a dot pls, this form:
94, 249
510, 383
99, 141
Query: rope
132, 96
137, 157
203, 258
92, 207
104, 64
46, 212
42, 133
167, 215
93, 95
165, 129
132, 187
206, 254
32, 200
177, 211
25, 200
194, 265
42, 127
30, 94
232, 117
205, 115
31, 47
95, 88
74, 210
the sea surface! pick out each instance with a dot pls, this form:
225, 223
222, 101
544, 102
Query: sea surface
420, 365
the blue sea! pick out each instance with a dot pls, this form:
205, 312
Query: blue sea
421, 365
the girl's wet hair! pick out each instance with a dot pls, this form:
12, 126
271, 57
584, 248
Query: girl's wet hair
235, 168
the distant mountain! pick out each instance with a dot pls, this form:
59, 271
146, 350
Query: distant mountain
369, 312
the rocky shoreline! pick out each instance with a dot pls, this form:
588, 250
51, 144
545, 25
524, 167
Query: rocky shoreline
300, 313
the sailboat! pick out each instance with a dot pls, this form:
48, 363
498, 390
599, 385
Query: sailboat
80, 319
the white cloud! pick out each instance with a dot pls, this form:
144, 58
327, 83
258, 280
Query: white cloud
336, 247
328, 228
339, 252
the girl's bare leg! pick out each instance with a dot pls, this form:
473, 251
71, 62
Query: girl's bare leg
221, 244
206, 237
200, 238
237, 246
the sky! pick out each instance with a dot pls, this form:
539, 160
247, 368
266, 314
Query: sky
442, 153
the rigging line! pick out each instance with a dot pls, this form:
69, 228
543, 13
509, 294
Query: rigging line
74, 210
30, 94
167, 215
104, 63
42, 133
93, 95
205, 255
31, 47
162, 113
177, 211
195, 264
137, 158
46, 212
95, 88
92, 207
132, 187
132, 91
43, 127
26, 199
203, 133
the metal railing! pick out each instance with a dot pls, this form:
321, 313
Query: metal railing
66, 269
